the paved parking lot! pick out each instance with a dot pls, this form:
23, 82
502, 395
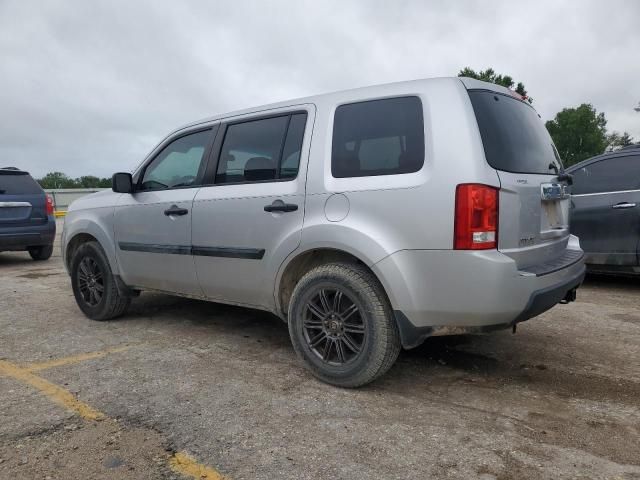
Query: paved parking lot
181, 388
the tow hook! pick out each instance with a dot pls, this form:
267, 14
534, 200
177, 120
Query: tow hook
569, 297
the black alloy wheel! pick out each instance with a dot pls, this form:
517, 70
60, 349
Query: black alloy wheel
90, 281
333, 327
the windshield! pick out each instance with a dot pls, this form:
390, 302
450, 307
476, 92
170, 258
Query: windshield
514, 137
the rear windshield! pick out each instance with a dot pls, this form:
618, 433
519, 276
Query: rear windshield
514, 137
18, 183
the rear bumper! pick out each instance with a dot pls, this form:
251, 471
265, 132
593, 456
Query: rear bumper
436, 292
20, 238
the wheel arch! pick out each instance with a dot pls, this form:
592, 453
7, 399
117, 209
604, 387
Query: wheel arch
301, 262
83, 231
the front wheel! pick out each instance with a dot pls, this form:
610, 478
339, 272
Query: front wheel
341, 325
94, 286
42, 252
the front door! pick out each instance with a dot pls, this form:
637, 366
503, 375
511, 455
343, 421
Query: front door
153, 224
606, 210
250, 219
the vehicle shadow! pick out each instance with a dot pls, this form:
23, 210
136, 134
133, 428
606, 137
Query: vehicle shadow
11, 259
625, 282
497, 361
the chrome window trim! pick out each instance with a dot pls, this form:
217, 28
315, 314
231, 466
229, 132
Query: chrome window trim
603, 193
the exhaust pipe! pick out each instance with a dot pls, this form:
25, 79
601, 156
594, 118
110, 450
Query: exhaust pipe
569, 297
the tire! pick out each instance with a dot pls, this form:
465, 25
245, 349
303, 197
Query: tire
94, 286
371, 327
42, 252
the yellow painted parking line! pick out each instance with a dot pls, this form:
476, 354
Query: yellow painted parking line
37, 367
58, 394
180, 462
184, 464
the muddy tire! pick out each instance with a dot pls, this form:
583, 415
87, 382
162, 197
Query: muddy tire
94, 285
342, 326
43, 252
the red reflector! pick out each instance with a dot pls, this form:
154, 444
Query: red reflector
49, 205
476, 221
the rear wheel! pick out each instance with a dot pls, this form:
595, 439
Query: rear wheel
94, 286
342, 326
42, 252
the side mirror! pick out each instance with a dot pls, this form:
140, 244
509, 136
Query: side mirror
122, 182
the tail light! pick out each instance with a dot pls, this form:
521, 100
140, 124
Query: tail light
476, 221
49, 205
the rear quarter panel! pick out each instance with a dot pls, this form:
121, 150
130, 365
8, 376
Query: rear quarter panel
407, 211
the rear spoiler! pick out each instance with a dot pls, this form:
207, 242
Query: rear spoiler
473, 84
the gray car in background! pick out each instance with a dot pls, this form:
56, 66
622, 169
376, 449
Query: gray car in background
26, 215
605, 209
367, 219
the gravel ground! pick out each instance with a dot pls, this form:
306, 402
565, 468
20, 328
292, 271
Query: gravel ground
560, 399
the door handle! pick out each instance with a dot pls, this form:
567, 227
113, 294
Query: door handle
623, 205
175, 210
280, 206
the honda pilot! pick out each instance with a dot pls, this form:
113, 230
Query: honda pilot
367, 220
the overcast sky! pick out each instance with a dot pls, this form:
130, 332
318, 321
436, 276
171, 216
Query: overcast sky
89, 87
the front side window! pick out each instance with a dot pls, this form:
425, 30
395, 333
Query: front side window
261, 150
609, 175
178, 164
378, 137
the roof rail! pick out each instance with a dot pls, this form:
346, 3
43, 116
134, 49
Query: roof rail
12, 171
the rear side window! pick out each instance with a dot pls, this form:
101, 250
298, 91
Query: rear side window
18, 183
514, 137
609, 175
378, 137
261, 150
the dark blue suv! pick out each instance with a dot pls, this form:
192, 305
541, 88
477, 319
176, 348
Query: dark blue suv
26, 215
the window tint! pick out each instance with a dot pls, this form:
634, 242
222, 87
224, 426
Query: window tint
513, 135
608, 175
261, 150
378, 137
178, 164
12, 183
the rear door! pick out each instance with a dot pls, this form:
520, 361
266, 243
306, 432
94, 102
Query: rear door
249, 220
534, 204
606, 210
22, 200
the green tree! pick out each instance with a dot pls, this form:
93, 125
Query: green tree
578, 133
105, 183
616, 141
88, 181
489, 75
57, 180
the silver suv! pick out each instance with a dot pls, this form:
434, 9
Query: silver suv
368, 220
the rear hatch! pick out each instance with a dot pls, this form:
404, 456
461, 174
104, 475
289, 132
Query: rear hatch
22, 200
533, 225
